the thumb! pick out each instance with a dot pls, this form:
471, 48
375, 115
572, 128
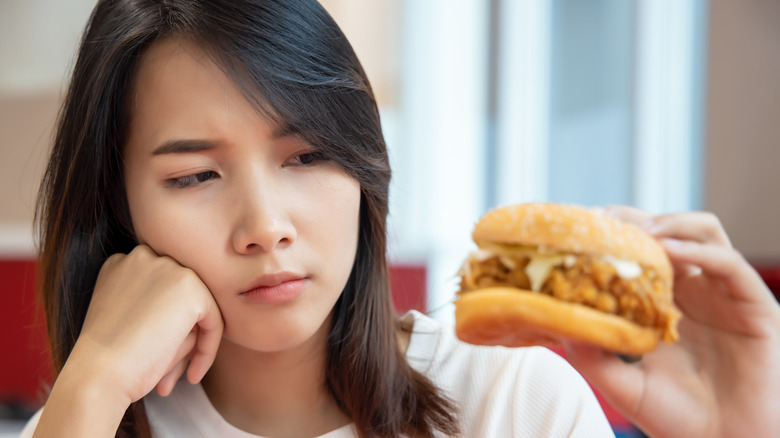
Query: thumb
622, 384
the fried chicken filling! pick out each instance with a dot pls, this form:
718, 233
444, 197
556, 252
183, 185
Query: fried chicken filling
583, 280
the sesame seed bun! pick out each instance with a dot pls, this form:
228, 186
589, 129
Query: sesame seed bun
515, 317
570, 229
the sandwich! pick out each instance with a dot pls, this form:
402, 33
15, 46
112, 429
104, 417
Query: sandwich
544, 273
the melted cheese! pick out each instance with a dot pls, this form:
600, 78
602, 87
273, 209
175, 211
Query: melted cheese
625, 269
543, 261
539, 268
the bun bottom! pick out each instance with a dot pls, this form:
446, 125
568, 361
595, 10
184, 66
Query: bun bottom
518, 318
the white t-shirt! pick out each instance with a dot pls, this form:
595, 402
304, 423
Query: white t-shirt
500, 392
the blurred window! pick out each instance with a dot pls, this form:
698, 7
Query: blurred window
487, 103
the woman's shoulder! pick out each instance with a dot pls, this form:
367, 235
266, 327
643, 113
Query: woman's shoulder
435, 351
433, 344
531, 390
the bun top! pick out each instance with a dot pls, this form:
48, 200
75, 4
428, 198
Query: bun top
570, 229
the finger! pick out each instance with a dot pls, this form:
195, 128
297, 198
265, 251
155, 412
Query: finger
165, 386
113, 259
186, 346
620, 383
208, 338
178, 365
144, 250
107, 267
700, 227
627, 214
726, 264
642, 218
684, 270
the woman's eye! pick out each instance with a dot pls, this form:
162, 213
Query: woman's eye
191, 180
308, 158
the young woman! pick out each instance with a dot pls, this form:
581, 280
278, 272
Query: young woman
215, 207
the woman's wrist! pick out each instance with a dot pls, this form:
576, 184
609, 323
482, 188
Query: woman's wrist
83, 402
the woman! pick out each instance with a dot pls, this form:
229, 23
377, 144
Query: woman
215, 206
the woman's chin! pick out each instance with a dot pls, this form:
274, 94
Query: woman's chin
276, 334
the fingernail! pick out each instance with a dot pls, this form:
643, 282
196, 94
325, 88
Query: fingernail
630, 358
671, 243
610, 211
651, 228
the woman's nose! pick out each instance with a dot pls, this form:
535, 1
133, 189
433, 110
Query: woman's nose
263, 224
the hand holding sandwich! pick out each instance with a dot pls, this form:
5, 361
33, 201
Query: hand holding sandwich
722, 377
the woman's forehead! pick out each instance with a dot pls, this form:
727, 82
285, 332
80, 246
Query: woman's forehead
174, 65
178, 88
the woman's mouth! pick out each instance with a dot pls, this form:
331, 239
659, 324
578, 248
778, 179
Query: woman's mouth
275, 289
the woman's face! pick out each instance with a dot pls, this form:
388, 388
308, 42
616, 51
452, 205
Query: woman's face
269, 226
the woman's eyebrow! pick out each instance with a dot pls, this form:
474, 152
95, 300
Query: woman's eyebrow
184, 146
285, 130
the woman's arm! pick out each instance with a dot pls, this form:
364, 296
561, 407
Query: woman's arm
722, 378
149, 321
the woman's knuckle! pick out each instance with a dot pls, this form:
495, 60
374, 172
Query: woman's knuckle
711, 219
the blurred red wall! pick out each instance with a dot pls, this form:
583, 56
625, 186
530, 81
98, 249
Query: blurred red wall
24, 357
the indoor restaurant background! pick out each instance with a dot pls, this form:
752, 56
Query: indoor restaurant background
666, 105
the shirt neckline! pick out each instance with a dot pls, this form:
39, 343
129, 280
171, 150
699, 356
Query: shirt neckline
198, 397
420, 352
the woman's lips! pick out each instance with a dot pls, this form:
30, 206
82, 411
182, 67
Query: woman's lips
275, 289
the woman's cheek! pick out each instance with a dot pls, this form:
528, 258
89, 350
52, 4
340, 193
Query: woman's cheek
188, 232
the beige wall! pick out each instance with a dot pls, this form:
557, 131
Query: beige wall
26, 121
37, 42
743, 124
372, 27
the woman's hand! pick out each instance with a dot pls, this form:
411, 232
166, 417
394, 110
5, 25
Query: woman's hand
149, 318
149, 321
722, 378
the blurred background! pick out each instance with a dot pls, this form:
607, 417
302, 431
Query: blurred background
666, 105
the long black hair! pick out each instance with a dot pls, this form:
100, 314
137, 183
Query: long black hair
293, 62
